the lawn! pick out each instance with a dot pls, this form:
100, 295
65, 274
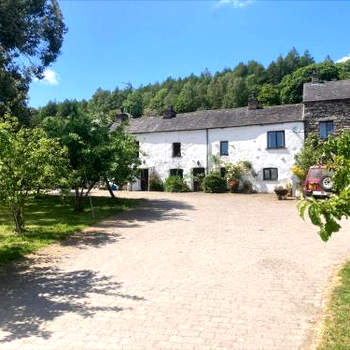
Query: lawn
50, 219
336, 334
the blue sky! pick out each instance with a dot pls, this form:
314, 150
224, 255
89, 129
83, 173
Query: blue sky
110, 43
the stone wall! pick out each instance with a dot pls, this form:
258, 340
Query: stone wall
337, 110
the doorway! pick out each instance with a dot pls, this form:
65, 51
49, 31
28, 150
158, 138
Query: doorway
144, 179
198, 176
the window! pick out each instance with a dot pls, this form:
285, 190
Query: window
326, 128
275, 139
138, 148
270, 174
223, 172
223, 148
177, 172
177, 149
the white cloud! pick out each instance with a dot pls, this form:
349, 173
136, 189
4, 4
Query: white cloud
50, 77
235, 3
344, 59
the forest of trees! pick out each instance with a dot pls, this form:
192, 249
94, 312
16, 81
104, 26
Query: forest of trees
279, 83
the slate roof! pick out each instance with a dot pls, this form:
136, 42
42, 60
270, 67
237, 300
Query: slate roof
327, 91
219, 118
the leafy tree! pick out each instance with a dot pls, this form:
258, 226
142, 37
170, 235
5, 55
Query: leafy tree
157, 102
269, 95
134, 104
123, 163
94, 152
31, 36
292, 85
308, 156
30, 162
327, 214
186, 101
236, 94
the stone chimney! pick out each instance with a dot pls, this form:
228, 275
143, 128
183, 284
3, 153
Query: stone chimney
315, 79
253, 102
169, 113
120, 118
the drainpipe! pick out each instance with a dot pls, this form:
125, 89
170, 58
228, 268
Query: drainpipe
207, 138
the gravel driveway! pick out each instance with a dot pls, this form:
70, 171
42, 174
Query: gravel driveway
183, 271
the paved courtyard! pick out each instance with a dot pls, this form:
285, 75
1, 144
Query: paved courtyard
182, 271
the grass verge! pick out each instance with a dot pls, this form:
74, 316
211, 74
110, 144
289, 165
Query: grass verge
336, 332
50, 219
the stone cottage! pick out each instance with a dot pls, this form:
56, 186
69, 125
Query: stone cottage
268, 137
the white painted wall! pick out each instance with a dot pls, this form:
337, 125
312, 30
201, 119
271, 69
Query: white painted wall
250, 143
157, 149
245, 143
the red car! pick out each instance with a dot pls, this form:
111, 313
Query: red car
318, 182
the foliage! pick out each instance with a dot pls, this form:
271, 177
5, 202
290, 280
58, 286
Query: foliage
31, 37
309, 155
336, 332
175, 184
326, 214
226, 89
281, 192
292, 85
248, 187
50, 219
95, 154
214, 183
238, 170
269, 95
155, 183
30, 162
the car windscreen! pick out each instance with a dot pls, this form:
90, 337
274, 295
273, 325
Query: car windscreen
318, 173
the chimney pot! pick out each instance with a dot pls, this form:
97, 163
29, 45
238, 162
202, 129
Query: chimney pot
169, 113
253, 102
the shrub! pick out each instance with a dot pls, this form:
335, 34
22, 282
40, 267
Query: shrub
175, 184
155, 183
247, 187
214, 183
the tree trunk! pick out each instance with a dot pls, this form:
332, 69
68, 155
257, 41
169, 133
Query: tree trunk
90, 188
78, 205
109, 188
17, 212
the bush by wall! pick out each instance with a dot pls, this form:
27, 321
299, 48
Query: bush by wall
214, 183
155, 183
175, 184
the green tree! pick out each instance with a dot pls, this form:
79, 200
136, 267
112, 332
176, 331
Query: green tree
186, 101
292, 85
32, 30
157, 102
308, 156
327, 214
30, 163
269, 95
134, 104
124, 159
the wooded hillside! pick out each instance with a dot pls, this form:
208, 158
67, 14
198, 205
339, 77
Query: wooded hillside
279, 83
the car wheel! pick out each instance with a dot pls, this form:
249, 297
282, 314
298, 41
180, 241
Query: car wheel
327, 183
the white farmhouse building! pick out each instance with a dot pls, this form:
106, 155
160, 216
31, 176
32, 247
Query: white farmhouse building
268, 137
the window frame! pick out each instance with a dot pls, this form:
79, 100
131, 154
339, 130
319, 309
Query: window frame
177, 154
325, 123
276, 132
221, 150
179, 172
269, 178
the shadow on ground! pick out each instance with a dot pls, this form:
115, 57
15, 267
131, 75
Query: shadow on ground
33, 295
34, 291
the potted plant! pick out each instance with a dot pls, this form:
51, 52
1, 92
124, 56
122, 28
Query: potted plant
281, 192
235, 172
